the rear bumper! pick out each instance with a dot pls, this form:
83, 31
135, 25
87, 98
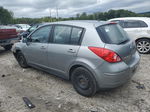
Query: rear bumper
10, 41
116, 74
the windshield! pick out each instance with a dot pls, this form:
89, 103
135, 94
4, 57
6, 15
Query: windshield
112, 34
32, 28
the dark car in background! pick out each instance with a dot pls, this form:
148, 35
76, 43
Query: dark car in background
32, 28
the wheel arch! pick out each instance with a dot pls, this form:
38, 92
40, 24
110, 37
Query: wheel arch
73, 67
142, 38
84, 65
16, 51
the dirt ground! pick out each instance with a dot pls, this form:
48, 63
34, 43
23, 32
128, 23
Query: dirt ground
52, 94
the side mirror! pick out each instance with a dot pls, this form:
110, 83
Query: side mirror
25, 34
26, 40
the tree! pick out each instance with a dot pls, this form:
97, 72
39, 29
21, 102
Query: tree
6, 16
78, 16
83, 16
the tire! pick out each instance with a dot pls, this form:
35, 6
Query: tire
84, 82
143, 46
21, 60
7, 47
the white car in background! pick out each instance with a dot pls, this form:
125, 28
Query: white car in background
23, 27
137, 28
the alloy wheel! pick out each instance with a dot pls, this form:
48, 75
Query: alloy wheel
143, 46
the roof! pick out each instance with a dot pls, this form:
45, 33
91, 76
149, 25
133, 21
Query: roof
131, 18
145, 19
81, 23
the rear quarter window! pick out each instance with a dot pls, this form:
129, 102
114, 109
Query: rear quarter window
76, 35
143, 24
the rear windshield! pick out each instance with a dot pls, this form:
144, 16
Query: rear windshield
112, 34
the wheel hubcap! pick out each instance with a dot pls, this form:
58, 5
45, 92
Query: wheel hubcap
83, 82
143, 46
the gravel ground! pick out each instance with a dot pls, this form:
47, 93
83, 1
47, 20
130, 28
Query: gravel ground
52, 94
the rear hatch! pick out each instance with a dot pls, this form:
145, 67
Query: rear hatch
117, 40
8, 33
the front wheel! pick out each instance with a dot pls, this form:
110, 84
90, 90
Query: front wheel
143, 46
84, 82
21, 60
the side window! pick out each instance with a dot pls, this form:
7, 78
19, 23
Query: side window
76, 35
62, 34
143, 24
41, 35
132, 24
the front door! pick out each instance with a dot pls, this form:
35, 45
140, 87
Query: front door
36, 48
133, 28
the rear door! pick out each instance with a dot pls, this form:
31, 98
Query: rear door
117, 40
36, 49
64, 46
133, 28
144, 29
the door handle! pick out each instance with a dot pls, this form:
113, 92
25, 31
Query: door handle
71, 51
43, 47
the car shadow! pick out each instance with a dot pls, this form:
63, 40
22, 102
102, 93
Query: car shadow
115, 92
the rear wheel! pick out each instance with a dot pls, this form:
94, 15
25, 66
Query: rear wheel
21, 60
143, 46
7, 47
84, 82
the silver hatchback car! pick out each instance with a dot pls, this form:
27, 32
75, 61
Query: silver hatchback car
94, 55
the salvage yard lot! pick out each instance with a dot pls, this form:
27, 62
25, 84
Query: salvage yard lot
52, 94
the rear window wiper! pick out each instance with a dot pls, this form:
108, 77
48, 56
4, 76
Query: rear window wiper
123, 42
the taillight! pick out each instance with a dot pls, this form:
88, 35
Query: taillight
112, 23
106, 54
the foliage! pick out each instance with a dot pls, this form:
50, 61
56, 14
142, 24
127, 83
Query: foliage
6, 17
108, 15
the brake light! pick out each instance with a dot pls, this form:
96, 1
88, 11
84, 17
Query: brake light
112, 23
106, 54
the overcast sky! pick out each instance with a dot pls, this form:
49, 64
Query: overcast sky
40, 8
